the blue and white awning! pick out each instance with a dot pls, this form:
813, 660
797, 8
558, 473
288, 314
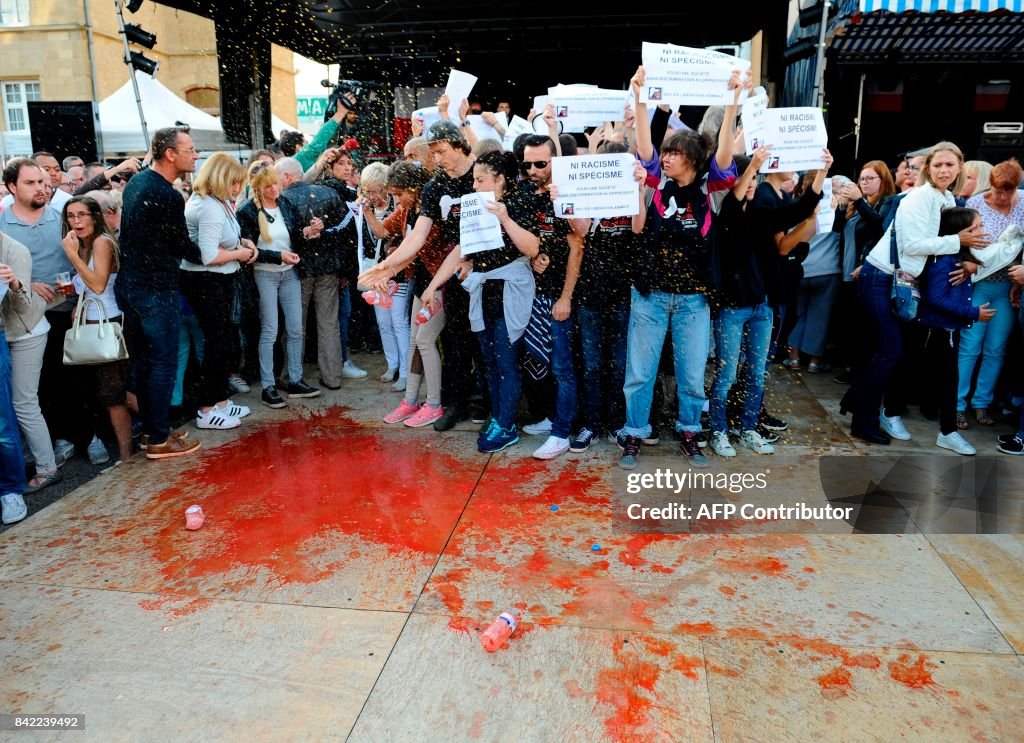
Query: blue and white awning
935, 6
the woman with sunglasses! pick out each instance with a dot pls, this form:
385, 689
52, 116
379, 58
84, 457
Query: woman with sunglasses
92, 251
270, 222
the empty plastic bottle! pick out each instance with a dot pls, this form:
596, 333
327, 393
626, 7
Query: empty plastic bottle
383, 299
500, 630
423, 316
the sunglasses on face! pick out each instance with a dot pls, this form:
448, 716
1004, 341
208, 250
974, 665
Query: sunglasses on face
538, 164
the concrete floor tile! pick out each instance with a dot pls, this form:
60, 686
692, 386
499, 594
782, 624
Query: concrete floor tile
813, 692
150, 667
991, 568
544, 684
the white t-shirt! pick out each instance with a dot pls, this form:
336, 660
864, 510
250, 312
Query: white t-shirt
279, 241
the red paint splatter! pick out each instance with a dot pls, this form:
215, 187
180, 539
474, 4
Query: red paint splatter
809, 570
476, 730
912, 675
573, 688
700, 628
835, 683
190, 606
756, 565
623, 689
727, 590
689, 666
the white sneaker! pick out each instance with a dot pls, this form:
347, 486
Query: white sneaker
756, 443
552, 448
63, 450
14, 508
234, 410
98, 453
894, 427
217, 419
389, 375
351, 371
536, 429
720, 444
955, 442
237, 384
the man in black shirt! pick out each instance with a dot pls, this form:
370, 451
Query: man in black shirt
563, 249
154, 239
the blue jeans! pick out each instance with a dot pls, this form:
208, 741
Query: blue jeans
344, 315
651, 317
501, 366
985, 339
12, 459
283, 287
565, 377
189, 335
152, 323
603, 346
864, 398
745, 331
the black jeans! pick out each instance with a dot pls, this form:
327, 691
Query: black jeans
209, 295
64, 401
459, 350
941, 351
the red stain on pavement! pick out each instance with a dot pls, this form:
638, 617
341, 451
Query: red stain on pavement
700, 628
912, 675
573, 688
727, 590
835, 683
628, 689
756, 565
689, 666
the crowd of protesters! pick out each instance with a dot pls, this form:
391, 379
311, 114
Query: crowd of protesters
218, 276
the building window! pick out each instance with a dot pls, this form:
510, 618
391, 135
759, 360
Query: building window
13, 12
17, 94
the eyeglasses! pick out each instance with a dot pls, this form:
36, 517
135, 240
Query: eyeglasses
868, 178
258, 167
77, 217
915, 168
538, 164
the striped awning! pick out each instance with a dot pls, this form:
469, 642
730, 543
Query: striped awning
935, 6
931, 37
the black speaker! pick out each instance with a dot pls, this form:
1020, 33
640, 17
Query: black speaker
65, 128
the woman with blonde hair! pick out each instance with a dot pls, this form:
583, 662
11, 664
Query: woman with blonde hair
270, 221
977, 174
393, 322
208, 286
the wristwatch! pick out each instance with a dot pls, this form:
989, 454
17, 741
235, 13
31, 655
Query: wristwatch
466, 123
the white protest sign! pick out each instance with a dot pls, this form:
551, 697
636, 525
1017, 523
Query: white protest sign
595, 186
426, 116
681, 76
797, 137
517, 126
578, 106
483, 130
826, 216
479, 229
460, 85
754, 122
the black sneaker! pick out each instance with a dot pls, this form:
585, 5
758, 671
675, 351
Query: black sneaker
630, 450
767, 434
844, 377
582, 440
771, 422
301, 389
653, 439
702, 438
452, 414
1012, 445
688, 446
271, 399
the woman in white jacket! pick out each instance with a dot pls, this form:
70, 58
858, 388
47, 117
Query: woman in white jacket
916, 229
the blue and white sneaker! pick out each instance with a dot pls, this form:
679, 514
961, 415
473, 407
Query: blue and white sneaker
498, 438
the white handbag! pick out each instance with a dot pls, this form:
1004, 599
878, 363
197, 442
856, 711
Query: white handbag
365, 264
98, 343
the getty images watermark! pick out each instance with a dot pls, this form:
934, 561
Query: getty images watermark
878, 494
672, 481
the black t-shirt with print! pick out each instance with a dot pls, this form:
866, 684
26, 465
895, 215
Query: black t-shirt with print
442, 202
681, 253
605, 274
521, 211
553, 243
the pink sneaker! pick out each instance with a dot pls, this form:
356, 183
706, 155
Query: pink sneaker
403, 411
426, 415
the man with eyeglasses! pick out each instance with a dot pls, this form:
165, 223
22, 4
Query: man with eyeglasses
154, 239
915, 163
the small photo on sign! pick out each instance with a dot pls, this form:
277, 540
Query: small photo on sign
755, 143
773, 163
568, 209
561, 112
654, 94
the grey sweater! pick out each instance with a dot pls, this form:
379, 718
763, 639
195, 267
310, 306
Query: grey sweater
20, 310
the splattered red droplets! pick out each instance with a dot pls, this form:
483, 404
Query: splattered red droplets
623, 688
727, 590
699, 628
762, 565
835, 683
689, 666
913, 675
573, 688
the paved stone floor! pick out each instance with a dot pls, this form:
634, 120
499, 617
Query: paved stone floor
346, 569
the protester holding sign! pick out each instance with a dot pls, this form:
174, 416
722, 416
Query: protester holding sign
501, 289
670, 284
